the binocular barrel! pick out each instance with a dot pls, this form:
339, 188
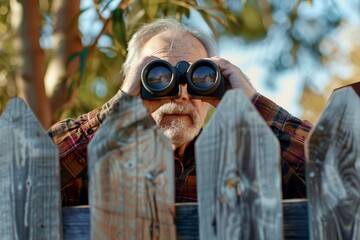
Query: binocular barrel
162, 80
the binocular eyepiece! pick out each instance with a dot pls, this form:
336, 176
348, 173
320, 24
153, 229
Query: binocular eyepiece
162, 80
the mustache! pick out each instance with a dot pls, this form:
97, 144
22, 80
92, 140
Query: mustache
176, 108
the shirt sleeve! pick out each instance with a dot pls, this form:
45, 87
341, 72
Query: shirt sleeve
290, 131
72, 137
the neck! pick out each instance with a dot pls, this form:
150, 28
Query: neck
180, 149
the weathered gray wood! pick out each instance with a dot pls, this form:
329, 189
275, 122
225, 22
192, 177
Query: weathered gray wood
238, 174
131, 171
30, 206
76, 221
333, 168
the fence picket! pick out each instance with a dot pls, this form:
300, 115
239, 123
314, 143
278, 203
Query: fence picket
238, 174
131, 176
131, 172
30, 206
333, 168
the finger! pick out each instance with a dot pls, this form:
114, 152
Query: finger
236, 77
132, 81
222, 63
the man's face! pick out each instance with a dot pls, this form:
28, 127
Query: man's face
180, 119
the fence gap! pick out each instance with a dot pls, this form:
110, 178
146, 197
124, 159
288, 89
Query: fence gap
30, 205
238, 174
131, 171
333, 168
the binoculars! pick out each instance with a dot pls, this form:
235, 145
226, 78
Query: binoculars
161, 80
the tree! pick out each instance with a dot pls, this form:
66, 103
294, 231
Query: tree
29, 59
49, 77
77, 71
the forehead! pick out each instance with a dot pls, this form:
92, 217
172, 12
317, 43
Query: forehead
174, 47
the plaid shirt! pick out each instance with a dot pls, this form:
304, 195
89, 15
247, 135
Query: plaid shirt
73, 135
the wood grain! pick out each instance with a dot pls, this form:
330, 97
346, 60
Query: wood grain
333, 168
238, 174
30, 206
131, 171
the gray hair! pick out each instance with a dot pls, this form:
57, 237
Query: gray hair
158, 26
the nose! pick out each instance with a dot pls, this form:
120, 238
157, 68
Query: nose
183, 93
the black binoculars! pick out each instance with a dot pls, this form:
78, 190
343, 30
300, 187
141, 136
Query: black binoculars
162, 80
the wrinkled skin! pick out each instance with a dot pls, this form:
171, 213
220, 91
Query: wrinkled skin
180, 119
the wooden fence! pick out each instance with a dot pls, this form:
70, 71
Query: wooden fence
131, 174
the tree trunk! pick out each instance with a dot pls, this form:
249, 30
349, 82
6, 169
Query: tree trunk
30, 62
66, 41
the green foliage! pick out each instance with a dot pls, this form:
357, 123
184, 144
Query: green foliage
124, 19
119, 28
7, 88
248, 19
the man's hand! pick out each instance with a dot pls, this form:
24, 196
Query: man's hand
132, 81
236, 77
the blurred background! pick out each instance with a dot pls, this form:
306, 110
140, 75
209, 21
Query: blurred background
64, 57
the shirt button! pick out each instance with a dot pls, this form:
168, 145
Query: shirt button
90, 131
